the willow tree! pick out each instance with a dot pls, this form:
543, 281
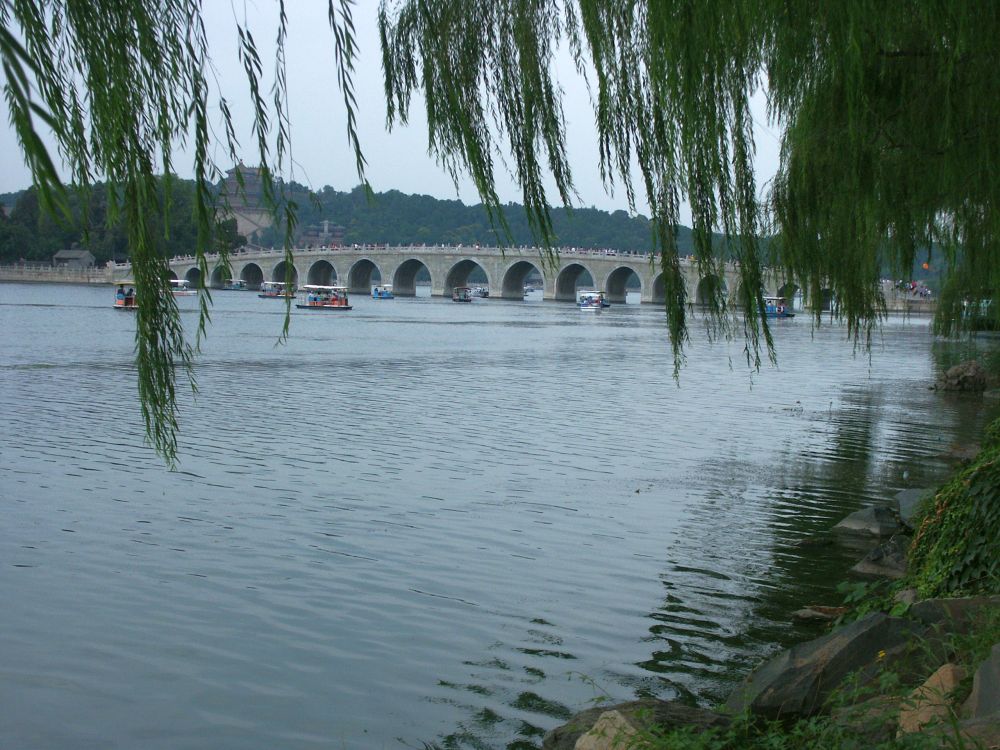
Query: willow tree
889, 149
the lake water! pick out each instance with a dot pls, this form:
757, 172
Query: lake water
421, 522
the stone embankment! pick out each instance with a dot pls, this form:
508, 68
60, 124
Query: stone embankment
55, 275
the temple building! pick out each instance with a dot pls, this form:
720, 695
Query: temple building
324, 234
246, 205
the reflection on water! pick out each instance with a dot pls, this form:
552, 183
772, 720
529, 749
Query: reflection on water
422, 522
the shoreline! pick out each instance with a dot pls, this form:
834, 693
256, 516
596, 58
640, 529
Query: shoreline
835, 677
106, 276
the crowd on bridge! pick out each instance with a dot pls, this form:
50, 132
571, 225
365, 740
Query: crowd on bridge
356, 247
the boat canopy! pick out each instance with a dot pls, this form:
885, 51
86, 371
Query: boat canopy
321, 288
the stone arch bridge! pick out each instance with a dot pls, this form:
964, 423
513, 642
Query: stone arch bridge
359, 266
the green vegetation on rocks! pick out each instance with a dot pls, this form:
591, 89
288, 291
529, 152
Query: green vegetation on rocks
957, 546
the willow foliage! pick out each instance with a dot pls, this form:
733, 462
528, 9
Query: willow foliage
121, 84
889, 150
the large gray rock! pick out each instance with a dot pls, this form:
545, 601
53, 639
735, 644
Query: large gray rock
956, 615
876, 520
612, 731
798, 681
985, 697
965, 376
641, 714
887, 560
908, 502
818, 613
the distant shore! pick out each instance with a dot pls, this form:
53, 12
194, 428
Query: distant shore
896, 302
55, 275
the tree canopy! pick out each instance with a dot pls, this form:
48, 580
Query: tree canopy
888, 147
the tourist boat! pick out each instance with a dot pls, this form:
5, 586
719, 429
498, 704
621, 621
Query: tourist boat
382, 291
776, 307
125, 296
235, 285
181, 288
591, 299
461, 294
480, 291
316, 297
275, 290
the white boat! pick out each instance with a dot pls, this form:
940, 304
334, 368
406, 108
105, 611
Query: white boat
317, 297
480, 291
461, 294
382, 291
236, 285
181, 288
591, 299
275, 290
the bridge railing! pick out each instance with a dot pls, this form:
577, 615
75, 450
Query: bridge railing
256, 251
376, 248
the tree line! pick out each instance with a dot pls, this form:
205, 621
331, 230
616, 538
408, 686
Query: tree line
32, 234
29, 233
394, 218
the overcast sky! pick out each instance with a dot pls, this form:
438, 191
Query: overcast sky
396, 160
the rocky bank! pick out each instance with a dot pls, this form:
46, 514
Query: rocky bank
917, 648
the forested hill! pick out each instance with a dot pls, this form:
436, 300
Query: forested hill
396, 218
390, 217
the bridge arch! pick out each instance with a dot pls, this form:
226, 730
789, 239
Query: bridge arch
362, 275
616, 284
220, 274
792, 294
458, 275
280, 272
658, 290
514, 276
571, 276
708, 286
321, 272
193, 276
404, 278
253, 275
789, 290
827, 301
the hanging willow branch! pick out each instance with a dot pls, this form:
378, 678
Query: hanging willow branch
120, 84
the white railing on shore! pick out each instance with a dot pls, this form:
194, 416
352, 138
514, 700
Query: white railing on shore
32, 271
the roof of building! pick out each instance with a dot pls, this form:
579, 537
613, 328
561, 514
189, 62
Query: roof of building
72, 253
